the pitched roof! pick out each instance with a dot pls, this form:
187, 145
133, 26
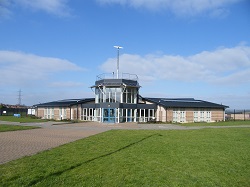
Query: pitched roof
166, 102
184, 102
64, 103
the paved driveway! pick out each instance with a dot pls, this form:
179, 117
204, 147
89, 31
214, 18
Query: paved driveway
16, 144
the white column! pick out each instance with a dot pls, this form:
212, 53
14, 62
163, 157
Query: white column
139, 115
118, 115
126, 115
144, 117
135, 111
100, 115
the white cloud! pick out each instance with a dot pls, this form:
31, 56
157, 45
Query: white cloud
18, 67
179, 7
55, 7
221, 66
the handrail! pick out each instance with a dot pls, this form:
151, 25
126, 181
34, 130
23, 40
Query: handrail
127, 76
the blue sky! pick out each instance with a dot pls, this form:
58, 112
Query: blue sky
53, 49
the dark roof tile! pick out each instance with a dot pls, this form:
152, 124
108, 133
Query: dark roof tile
184, 102
64, 103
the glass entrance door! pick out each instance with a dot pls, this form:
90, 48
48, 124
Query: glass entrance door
109, 115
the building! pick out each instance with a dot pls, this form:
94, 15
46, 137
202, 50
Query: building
184, 110
117, 100
10, 110
238, 114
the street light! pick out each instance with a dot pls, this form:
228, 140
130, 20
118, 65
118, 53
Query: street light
117, 70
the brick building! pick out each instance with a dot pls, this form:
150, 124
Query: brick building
117, 100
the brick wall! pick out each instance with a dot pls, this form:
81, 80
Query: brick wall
217, 115
40, 112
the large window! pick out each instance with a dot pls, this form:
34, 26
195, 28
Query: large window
88, 114
130, 95
109, 95
99, 95
49, 113
196, 116
113, 95
202, 115
52, 113
179, 115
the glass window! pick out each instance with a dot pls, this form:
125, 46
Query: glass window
124, 96
129, 95
132, 96
118, 95
112, 95
99, 95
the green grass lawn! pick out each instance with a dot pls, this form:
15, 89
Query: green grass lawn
222, 123
21, 119
206, 157
4, 128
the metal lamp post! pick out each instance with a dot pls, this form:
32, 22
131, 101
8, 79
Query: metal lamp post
117, 70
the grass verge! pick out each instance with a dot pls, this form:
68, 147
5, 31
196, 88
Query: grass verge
4, 128
21, 119
206, 157
221, 123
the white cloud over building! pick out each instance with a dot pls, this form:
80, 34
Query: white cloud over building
221, 66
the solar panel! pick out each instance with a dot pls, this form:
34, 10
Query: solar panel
182, 100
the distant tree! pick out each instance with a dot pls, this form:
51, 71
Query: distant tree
2, 106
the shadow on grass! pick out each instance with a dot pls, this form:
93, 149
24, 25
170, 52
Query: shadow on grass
88, 161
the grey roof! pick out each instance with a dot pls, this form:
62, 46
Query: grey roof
117, 82
184, 103
65, 102
166, 102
